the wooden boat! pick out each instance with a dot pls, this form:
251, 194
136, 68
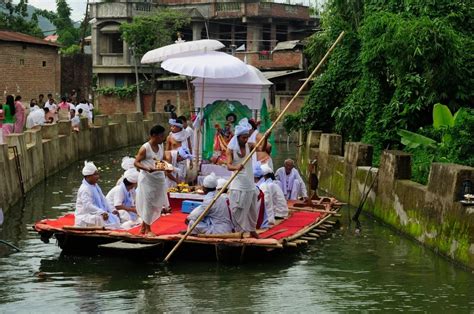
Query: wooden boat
305, 223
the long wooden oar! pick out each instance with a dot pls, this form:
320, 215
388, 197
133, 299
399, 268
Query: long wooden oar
249, 156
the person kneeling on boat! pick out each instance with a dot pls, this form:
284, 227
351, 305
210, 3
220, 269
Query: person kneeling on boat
122, 198
276, 206
92, 208
177, 158
217, 219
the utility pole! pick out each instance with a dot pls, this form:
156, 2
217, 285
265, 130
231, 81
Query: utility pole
84, 26
137, 101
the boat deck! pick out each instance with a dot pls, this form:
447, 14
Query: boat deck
302, 225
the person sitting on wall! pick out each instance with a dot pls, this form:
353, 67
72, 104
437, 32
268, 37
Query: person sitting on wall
290, 181
217, 219
92, 209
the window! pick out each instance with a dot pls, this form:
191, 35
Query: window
280, 86
119, 81
115, 43
22, 61
44, 63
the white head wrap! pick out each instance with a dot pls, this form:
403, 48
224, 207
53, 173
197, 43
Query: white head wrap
127, 163
131, 175
173, 122
210, 181
89, 168
257, 171
243, 127
221, 183
184, 153
266, 169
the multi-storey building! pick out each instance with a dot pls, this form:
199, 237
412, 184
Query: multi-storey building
266, 34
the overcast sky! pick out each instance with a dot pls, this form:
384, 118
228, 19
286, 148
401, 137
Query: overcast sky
78, 7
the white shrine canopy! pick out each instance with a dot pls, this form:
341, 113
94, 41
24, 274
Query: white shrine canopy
250, 89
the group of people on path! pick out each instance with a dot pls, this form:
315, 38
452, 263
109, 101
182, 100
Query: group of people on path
15, 116
256, 198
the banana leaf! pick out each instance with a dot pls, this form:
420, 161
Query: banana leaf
442, 117
414, 140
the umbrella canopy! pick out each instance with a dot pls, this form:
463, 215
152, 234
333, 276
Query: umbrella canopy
212, 64
174, 50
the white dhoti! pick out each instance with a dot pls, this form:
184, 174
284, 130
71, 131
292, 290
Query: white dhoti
243, 205
151, 195
296, 190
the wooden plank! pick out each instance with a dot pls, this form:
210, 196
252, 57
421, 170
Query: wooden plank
128, 246
308, 238
83, 228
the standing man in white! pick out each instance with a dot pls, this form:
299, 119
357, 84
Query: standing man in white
242, 191
151, 192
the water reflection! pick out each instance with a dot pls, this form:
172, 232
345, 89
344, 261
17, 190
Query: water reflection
374, 270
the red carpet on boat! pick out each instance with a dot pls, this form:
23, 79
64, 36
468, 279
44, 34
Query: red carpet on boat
296, 222
174, 223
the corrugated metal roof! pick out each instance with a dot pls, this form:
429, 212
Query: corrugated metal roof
287, 45
274, 74
23, 38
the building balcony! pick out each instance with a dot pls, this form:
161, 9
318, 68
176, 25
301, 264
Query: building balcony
112, 59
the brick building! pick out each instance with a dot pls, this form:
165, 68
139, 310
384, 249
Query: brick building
251, 29
30, 66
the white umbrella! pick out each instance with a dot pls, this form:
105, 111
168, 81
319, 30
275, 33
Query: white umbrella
178, 49
211, 64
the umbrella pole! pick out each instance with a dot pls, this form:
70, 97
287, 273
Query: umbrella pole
188, 87
200, 133
249, 156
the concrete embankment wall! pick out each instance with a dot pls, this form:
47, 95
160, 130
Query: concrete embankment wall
52, 148
431, 214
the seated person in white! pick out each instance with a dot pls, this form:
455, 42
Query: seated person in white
177, 158
290, 181
122, 199
276, 206
217, 219
220, 184
127, 163
92, 208
258, 175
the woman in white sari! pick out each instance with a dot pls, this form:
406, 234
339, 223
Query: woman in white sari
151, 192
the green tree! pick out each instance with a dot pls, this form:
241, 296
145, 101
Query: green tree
149, 32
397, 60
15, 18
61, 19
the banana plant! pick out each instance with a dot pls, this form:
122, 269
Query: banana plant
443, 119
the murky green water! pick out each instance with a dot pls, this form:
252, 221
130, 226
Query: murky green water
376, 270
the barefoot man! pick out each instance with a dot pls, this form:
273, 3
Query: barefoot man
243, 192
151, 192
178, 136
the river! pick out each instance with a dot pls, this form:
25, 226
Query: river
346, 272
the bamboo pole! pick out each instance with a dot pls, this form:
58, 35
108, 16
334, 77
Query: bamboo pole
249, 156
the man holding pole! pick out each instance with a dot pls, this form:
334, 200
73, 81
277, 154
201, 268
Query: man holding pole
242, 191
